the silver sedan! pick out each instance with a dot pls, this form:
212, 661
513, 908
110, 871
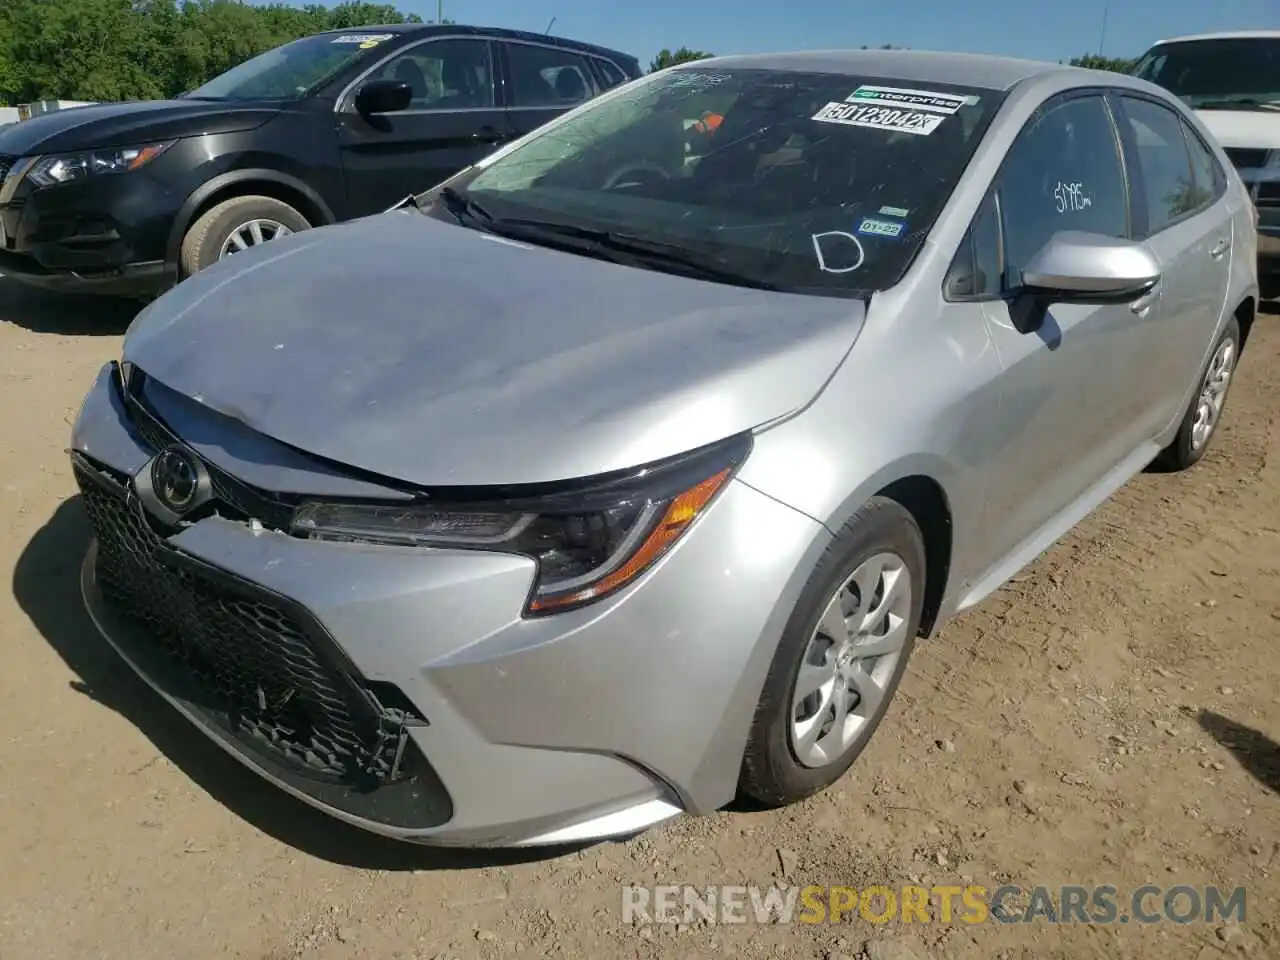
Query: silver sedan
623, 471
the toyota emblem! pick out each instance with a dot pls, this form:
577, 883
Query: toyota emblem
175, 478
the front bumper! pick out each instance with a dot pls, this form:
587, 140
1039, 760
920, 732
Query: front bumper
588, 724
106, 236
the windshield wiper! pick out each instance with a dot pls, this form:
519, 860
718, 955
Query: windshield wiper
463, 207
628, 249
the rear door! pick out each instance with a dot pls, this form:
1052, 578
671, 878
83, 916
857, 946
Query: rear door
1065, 418
1181, 213
452, 121
542, 81
608, 73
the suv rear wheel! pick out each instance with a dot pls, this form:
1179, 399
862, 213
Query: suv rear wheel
235, 225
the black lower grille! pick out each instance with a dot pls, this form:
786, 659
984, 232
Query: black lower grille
248, 660
1246, 158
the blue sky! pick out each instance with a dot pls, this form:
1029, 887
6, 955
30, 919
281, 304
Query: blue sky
1025, 28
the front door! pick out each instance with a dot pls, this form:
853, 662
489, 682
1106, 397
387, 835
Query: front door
543, 82
1178, 188
1065, 412
452, 121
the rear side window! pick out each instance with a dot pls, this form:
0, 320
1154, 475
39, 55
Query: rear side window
1063, 173
612, 76
547, 77
1164, 176
1210, 178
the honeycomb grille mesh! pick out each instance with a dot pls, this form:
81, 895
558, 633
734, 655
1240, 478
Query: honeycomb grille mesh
242, 657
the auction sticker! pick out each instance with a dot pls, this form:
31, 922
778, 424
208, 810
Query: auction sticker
365, 40
920, 122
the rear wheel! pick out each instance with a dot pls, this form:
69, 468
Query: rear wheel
1200, 422
236, 225
841, 657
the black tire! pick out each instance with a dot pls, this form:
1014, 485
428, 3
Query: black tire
771, 775
1182, 454
205, 237
1270, 288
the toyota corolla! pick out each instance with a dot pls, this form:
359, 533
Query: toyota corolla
620, 473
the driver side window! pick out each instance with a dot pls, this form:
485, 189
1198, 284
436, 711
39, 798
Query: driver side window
1064, 172
444, 74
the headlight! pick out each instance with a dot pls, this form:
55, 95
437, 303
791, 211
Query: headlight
589, 540
1273, 160
67, 167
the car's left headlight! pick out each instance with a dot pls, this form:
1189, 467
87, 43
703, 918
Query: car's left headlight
589, 540
48, 171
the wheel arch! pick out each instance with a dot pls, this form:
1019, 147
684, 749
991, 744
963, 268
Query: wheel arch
238, 183
924, 498
1245, 313
935, 490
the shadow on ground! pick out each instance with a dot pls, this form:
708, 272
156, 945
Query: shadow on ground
43, 312
46, 584
1255, 751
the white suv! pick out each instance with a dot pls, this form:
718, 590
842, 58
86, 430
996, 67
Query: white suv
1232, 81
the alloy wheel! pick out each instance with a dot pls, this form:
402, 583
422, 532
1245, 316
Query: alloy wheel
251, 234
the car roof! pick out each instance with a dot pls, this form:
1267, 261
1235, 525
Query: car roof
922, 66
1225, 35
497, 33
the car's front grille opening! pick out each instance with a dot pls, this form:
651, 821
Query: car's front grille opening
1246, 158
258, 669
251, 660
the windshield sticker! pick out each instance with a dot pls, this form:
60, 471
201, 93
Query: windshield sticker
846, 253
880, 118
946, 103
894, 212
871, 227
365, 40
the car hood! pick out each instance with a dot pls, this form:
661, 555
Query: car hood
1257, 129
124, 124
437, 355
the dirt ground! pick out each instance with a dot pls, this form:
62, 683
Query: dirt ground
1108, 718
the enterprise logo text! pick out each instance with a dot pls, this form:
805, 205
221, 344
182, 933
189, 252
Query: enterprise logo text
970, 904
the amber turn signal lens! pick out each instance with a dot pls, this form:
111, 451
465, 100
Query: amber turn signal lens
680, 513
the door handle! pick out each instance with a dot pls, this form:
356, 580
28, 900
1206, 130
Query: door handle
1144, 302
486, 135
1219, 248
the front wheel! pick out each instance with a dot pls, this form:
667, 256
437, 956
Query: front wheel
235, 225
1200, 422
841, 657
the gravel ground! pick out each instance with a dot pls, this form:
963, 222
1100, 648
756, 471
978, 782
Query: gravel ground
1108, 718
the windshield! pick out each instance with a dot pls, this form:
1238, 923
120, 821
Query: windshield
292, 70
805, 182
1205, 72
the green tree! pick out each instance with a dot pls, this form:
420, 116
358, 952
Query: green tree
146, 49
666, 58
1094, 62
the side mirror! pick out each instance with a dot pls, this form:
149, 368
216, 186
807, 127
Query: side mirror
1077, 267
383, 96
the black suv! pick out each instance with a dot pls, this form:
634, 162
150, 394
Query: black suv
128, 198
